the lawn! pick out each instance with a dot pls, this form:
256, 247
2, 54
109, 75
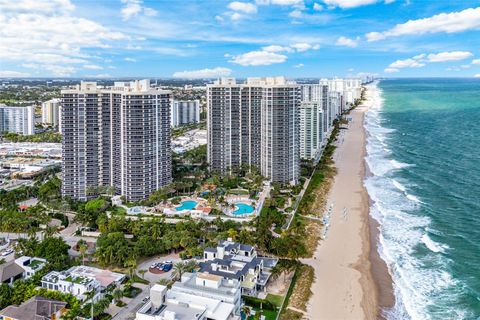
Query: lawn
269, 314
275, 299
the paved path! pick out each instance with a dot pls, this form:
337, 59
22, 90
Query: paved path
129, 311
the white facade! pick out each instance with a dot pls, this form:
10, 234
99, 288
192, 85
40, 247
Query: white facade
198, 296
311, 129
17, 119
51, 112
185, 112
80, 280
117, 136
255, 123
31, 265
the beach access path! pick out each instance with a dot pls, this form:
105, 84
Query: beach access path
344, 287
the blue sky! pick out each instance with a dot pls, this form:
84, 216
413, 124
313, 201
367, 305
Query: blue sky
211, 38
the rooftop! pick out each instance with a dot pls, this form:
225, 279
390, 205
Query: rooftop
35, 308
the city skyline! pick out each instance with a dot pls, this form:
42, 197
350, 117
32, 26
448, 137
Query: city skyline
295, 38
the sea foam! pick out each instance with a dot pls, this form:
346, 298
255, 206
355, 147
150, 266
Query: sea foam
402, 230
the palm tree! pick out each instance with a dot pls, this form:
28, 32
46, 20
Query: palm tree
191, 265
178, 269
82, 248
246, 311
117, 294
131, 265
142, 273
50, 231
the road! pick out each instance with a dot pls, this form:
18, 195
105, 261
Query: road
129, 311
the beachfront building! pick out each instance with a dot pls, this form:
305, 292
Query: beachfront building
236, 261
255, 123
35, 308
349, 89
19, 120
116, 136
185, 112
311, 129
198, 296
51, 113
80, 280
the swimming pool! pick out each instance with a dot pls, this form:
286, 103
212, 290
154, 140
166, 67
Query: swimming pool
187, 205
243, 208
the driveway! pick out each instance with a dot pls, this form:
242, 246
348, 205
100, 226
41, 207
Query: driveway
154, 278
129, 311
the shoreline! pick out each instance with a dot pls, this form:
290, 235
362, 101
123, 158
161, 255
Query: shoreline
352, 281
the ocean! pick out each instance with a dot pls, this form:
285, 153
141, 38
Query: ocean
423, 154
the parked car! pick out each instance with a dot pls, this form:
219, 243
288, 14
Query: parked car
167, 267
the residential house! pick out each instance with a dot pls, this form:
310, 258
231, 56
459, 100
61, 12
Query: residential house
35, 308
198, 296
232, 260
80, 280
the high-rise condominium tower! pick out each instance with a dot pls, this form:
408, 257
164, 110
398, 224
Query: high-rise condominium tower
185, 112
311, 129
51, 112
17, 119
255, 123
117, 136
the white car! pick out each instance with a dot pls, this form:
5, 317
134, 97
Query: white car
7, 252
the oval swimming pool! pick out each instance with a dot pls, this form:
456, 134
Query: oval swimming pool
243, 208
187, 205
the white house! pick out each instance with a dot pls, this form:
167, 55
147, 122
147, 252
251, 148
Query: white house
80, 280
198, 296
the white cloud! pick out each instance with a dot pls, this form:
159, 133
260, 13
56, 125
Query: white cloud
92, 67
476, 61
130, 59
235, 16
407, 63
244, 7
219, 18
347, 42
347, 4
390, 70
49, 36
204, 73
276, 48
99, 76
468, 19
449, 56
317, 7
258, 58
133, 8
300, 65
477, 75
296, 14
13, 74
279, 2
302, 47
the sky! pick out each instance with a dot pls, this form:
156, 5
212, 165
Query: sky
215, 38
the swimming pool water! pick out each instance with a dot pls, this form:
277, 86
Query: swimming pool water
243, 208
187, 205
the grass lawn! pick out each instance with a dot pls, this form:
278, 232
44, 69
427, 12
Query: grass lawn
238, 191
275, 299
269, 314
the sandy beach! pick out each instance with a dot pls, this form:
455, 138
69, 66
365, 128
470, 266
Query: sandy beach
345, 287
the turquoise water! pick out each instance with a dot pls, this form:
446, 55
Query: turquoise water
243, 208
423, 154
187, 205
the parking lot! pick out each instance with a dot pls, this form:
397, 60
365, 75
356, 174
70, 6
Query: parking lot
155, 277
